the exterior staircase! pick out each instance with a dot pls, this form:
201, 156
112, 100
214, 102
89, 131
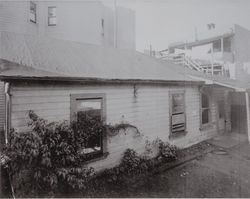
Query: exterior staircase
198, 65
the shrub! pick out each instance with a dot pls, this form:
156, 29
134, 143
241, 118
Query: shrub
48, 156
162, 150
120, 177
49, 160
167, 151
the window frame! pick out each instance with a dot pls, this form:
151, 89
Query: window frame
177, 133
49, 17
35, 13
221, 109
206, 108
102, 26
73, 106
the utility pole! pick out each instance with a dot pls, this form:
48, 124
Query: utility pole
212, 53
115, 24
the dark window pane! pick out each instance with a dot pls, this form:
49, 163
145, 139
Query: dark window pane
32, 12
221, 109
90, 110
227, 44
51, 15
205, 116
217, 46
204, 101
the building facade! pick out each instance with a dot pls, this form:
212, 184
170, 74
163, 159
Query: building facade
81, 21
136, 89
226, 54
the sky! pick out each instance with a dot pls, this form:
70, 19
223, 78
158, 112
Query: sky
161, 22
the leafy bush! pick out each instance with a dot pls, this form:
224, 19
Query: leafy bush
49, 156
120, 177
163, 150
49, 160
167, 151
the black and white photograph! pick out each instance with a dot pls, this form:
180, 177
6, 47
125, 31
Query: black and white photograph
124, 99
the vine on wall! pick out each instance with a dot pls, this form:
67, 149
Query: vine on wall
48, 160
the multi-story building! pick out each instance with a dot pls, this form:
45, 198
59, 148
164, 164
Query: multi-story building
79, 21
82, 21
225, 54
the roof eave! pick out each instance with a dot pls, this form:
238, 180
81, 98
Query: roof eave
98, 80
201, 42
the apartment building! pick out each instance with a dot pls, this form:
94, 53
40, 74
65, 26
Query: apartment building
226, 54
81, 21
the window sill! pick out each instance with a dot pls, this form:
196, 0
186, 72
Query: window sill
177, 135
98, 158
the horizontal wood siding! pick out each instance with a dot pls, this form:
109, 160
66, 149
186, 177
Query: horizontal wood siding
149, 111
2, 106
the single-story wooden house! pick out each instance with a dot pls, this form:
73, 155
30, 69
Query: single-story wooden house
58, 78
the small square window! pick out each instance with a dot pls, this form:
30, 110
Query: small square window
52, 16
32, 12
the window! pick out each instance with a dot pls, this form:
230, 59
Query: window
178, 123
89, 105
217, 46
205, 110
102, 27
221, 109
51, 16
227, 44
32, 12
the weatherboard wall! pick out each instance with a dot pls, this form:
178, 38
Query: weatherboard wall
2, 107
148, 111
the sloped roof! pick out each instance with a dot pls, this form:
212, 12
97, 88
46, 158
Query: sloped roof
8, 68
210, 79
71, 59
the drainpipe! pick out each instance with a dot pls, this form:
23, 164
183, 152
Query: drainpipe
7, 125
7, 111
248, 115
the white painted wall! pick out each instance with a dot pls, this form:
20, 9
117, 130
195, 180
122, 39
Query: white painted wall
149, 112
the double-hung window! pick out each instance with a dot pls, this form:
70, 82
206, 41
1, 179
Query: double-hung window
90, 106
32, 12
177, 112
52, 16
205, 109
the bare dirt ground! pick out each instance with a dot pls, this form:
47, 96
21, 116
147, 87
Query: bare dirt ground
224, 172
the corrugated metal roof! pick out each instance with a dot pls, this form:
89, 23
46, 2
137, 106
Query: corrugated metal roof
72, 59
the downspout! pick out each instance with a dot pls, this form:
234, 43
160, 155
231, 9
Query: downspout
7, 111
248, 114
7, 125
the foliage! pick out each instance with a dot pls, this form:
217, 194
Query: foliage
167, 151
131, 166
87, 130
49, 160
113, 130
50, 155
